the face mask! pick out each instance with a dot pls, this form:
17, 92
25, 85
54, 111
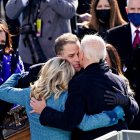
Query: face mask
134, 18
103, 15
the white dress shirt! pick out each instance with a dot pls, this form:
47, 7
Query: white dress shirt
133, 29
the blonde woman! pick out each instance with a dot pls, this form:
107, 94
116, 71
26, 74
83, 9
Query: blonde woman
52, 85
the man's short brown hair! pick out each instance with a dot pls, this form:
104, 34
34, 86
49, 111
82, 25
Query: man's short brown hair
64, 39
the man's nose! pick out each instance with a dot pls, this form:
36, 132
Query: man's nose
76, 58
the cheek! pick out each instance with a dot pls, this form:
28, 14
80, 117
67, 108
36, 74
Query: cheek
2, 38
80, 59
108, 60
80, 56
109, 63
70, 60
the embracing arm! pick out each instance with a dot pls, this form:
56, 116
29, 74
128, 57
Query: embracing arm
13, 95
133, 107
15, 7
65, 8
104, 119
72, 115
127, 101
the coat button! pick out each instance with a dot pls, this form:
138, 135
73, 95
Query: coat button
134, 68
49, 21
49, 38
134, 86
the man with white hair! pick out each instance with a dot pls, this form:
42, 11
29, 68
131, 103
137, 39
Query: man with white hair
86, 92
93, 50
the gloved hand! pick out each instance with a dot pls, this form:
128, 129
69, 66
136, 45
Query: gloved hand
120, 112
116, 98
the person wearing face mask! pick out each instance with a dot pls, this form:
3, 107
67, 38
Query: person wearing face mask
10, 63
126, 39
105, 14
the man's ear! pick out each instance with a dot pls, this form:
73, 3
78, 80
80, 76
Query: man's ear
81, 54
126, 9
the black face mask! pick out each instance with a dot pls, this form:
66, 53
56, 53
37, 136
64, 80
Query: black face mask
103, 15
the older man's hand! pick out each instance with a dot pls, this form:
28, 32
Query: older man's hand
37, 106
116, 97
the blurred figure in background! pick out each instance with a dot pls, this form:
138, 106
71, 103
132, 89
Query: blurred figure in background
13, 25
126, 39
41, 23
122, 5
114, 62
105, 14
10, 62
83, 11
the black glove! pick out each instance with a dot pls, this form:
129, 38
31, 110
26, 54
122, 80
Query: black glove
116, 98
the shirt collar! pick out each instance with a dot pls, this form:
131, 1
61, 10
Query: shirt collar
133, 29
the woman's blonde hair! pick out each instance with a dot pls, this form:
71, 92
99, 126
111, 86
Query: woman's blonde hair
53, 79
115, 15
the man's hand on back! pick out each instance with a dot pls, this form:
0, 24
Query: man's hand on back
116, 98
37, 106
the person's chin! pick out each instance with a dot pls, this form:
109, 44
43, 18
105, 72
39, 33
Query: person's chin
77, 69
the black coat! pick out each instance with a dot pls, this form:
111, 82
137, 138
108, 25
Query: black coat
121, 38
85, 95
83, 6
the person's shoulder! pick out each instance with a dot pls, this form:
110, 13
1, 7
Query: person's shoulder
78, 79
118, 78
36, 68
119, 28
31, 76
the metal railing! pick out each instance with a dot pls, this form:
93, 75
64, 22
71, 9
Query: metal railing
121, 135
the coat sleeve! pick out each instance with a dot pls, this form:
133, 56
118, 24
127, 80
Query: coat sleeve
15, 7
73, 113
30, 76
13, 95
104, 119
132, 108
65, 8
